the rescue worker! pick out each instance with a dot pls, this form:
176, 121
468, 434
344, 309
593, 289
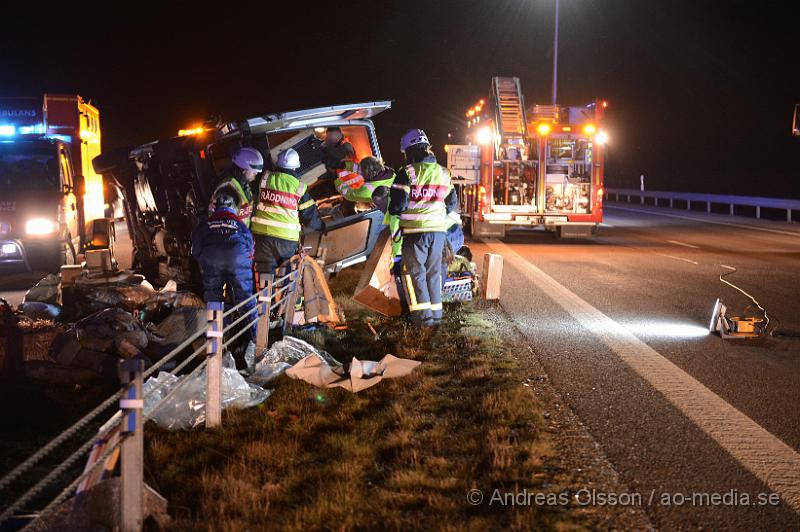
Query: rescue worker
364, 179
223, 247
422, 196
378, 180
247, 164
283, 202
340, 162
336, 150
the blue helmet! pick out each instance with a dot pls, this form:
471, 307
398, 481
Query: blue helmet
413, 137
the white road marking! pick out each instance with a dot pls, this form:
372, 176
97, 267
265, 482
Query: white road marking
759, 451
684, 244
728, 267
678, 258
753, 227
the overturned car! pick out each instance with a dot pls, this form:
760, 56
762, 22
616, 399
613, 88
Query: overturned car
168, 184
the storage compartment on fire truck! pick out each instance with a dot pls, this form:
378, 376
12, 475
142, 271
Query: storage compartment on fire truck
568, 175
515, 182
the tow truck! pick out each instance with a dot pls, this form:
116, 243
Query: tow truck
535, 167
51, 200
170, 181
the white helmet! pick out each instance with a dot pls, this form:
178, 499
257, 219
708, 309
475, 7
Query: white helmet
248, 159
288, 159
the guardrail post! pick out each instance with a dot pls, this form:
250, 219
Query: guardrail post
670, 203
758, 211
732, 209
688, 205
288, 319
708, 206
789, 215
214, 366
264, 302
132, 448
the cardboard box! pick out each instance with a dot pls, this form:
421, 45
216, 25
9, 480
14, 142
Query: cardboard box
376, 289
318, 304
492, 276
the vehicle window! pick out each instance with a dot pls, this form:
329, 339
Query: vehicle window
66, 170
28, 166
359, 138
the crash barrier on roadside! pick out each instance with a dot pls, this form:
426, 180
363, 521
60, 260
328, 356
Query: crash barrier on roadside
708, 200
121, 436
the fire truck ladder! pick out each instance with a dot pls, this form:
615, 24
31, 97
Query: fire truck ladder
510, 110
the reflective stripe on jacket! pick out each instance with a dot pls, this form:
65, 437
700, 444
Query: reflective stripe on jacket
348, 178
429, 185
278, 203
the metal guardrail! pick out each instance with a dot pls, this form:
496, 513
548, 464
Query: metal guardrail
128, 421
787, 205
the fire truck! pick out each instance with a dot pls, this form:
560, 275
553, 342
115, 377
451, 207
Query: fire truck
535, 167
51, 200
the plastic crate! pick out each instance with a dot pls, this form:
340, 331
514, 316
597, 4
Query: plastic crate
457, 290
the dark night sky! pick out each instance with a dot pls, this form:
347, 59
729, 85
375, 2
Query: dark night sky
701, 93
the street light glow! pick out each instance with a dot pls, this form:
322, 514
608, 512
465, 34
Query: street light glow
484, 135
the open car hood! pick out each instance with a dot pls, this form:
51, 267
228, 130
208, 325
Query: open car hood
308, 118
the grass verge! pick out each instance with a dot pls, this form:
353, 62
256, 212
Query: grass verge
401, 455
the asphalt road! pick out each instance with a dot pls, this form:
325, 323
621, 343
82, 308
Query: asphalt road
620, 323
15, 283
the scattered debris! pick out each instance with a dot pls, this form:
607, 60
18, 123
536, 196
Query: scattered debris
318, 305
47, 290
361, 374
186, 406
91, 293
283, 355
37, 310
98, 341
372, 330
377, 289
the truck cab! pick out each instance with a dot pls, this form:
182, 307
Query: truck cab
51, 200
39, 215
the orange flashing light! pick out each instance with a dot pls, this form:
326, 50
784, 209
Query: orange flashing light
543, 129
589, 129
193, 131
566, 128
